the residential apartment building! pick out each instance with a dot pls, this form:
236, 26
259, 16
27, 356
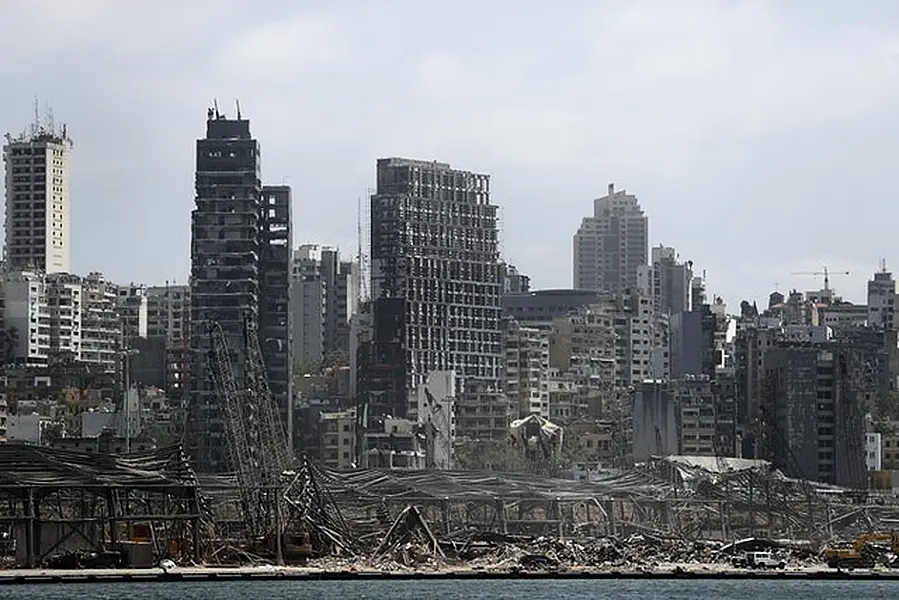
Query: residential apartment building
25, 317
132, 306
882, 300
527, 369
49, 315
322, 302
813, 409
38, 201
168, 320
101, 327
275, 318
666, 281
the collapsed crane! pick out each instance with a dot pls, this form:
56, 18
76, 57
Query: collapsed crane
280, 498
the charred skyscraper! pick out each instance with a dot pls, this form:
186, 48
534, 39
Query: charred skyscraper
275, 323
435, 282
240, 265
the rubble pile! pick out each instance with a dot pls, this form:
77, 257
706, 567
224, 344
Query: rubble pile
517, 553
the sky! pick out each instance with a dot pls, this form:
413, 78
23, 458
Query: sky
761, 137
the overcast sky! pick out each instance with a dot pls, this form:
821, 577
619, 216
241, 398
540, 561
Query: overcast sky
762, 138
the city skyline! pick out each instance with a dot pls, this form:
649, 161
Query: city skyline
755, 133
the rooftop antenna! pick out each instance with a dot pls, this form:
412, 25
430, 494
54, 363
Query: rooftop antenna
36, 125
237, 102
883, 265
215, 106
49, 116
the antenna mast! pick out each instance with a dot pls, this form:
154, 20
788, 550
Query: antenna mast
237, 102
36, 125
50, 126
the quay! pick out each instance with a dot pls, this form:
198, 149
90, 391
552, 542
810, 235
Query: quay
207, 574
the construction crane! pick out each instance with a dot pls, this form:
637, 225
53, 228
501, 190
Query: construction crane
825, 273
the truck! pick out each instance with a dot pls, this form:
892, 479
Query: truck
759, 560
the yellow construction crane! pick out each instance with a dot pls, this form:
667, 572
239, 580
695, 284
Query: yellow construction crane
825, 273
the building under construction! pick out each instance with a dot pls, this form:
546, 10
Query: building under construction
240, 249
435, 284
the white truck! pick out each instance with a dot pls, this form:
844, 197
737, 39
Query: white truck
759, 560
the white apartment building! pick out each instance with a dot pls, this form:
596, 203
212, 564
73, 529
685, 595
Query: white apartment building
38, 203
132, 306
48, 314
64, 298
168, 311
25, 316
101, 337
527, 369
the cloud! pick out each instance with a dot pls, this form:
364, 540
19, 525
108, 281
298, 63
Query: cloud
277, 52
744, 128
661, 80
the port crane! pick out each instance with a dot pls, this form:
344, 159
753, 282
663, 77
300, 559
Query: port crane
281, 502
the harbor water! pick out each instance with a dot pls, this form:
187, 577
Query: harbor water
457, 589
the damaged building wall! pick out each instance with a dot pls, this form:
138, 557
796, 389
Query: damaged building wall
225, 262
813, 409
275, 318
435, 274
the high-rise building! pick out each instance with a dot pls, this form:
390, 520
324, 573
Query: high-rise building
610, 245
168, 318
667, 281
240, 275
275, 319
882, 300
25, 317
322, 302
38, 204
225, 263
101, 327
435, 287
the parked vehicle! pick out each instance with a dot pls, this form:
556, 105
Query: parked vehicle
759, 560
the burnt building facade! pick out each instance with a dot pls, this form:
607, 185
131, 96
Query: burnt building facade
813, 406
275, 318
436, 289
239, 275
